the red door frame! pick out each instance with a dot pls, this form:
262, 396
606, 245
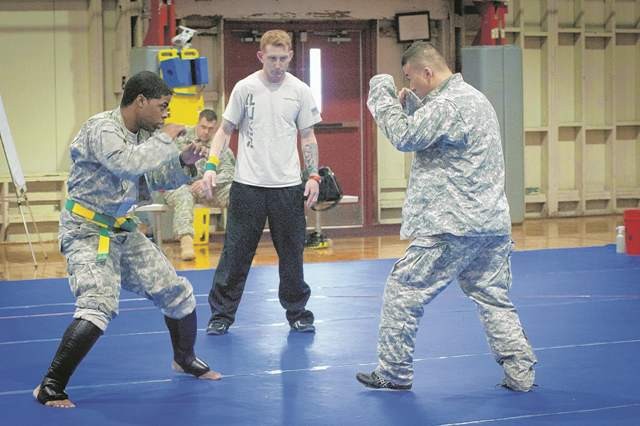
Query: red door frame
369, 54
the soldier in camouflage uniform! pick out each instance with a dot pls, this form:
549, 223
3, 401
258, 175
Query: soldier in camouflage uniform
183, 199
114, 158
455, 214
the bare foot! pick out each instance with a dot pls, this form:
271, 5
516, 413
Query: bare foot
209, 375
62, 403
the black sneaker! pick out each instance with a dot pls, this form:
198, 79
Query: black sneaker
513, 388
217, 327
376, 382
302, 326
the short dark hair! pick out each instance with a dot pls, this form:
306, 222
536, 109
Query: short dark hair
208, 114
424, 53
145, 83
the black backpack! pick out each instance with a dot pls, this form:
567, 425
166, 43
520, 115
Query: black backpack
330, 191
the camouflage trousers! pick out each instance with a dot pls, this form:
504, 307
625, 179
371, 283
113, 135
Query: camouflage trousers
182, 200
482, 267
134, 263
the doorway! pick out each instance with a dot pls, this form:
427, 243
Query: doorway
337, 60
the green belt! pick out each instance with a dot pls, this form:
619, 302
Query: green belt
106, 223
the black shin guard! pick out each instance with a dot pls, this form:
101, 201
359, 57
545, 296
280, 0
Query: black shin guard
76, 343
183, 338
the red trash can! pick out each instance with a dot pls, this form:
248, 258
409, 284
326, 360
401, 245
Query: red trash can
632, 231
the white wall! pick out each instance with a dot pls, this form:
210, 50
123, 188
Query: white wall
59, 59
44, 78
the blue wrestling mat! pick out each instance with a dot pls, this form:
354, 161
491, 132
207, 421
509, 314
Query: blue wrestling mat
580, 308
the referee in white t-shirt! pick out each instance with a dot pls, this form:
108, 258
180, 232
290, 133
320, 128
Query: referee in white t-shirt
268, 108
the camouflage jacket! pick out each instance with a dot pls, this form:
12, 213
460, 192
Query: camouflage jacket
109, 164
456, 184
226, 168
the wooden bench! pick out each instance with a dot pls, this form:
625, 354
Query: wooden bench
157, 210
346, 199
316, 240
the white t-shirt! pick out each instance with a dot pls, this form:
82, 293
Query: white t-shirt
268, 117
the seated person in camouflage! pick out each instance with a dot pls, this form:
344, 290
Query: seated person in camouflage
114, 159
183, 199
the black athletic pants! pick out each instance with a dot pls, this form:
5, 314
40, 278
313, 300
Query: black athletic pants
249, 208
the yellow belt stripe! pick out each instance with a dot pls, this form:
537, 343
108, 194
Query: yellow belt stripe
103, 246
83, 211
103, 240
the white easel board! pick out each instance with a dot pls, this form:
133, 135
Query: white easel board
10, 151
